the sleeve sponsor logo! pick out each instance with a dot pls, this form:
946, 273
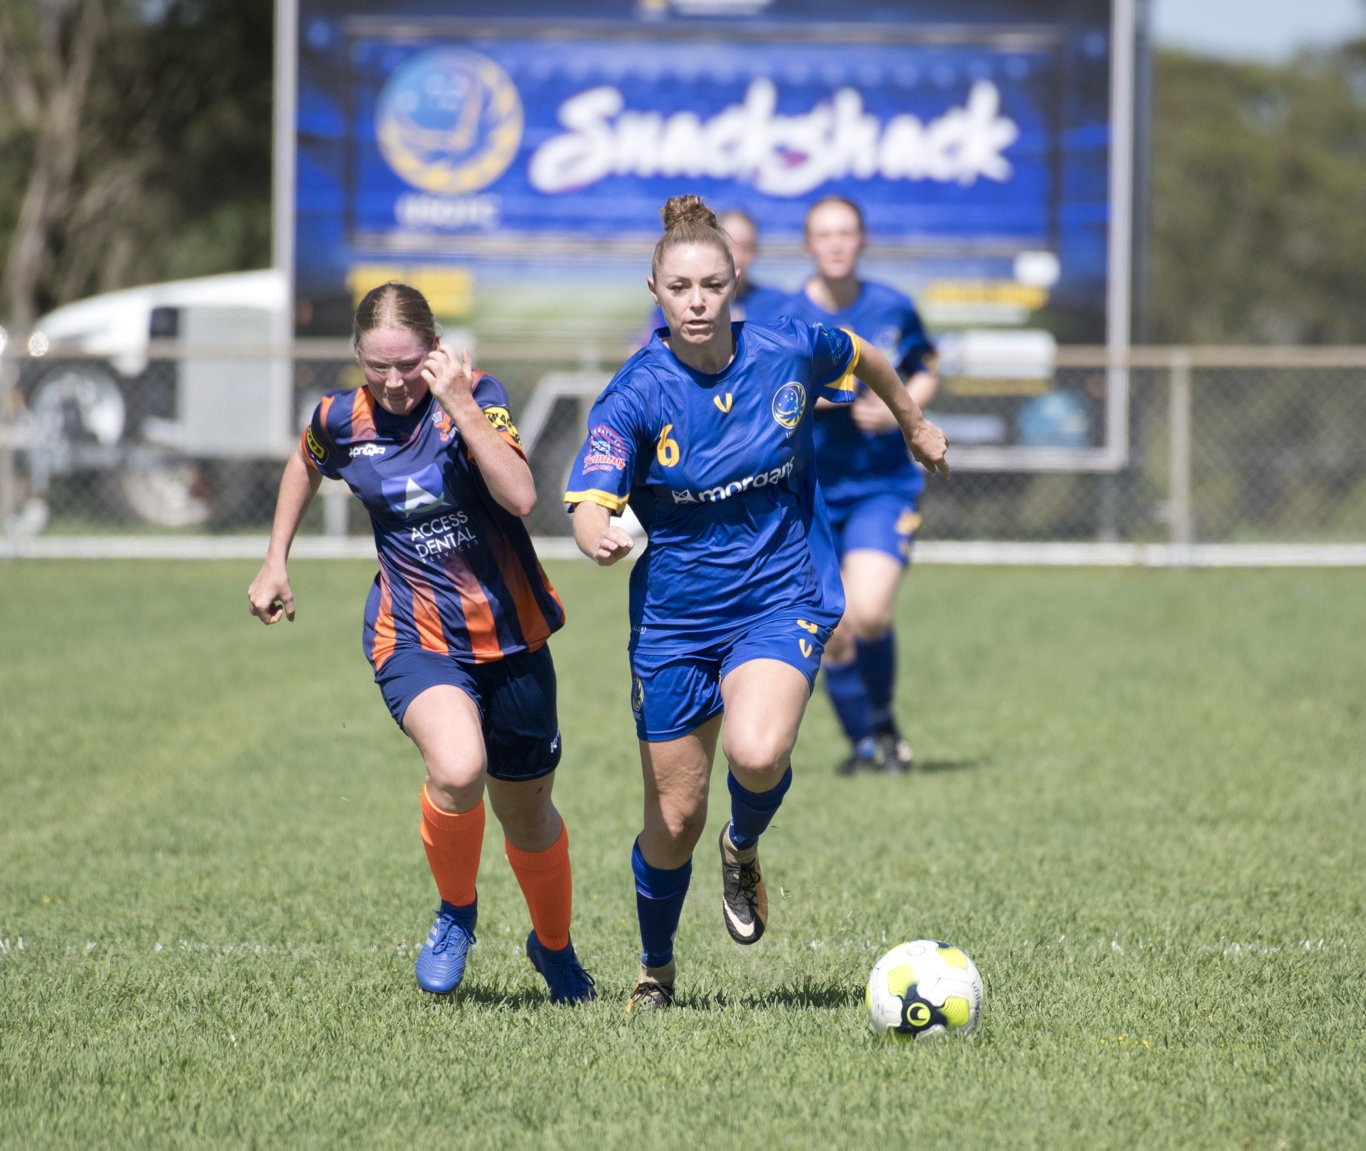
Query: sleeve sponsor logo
606, 451
315, 447
501, 419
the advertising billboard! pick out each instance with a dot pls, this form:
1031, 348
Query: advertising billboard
514, 164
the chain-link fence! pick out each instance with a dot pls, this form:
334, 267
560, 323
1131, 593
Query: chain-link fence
1233, 448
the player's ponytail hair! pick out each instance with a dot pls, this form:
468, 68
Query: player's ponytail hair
687, 220
394, 305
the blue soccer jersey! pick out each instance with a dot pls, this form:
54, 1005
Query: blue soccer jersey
853, 465
457, 572
717, 470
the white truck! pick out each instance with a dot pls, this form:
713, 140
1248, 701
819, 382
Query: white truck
153, 388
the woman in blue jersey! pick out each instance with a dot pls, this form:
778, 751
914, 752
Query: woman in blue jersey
706, 434
457, 620
870, 483
757, 303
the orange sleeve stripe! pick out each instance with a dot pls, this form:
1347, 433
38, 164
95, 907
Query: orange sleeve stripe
362, 415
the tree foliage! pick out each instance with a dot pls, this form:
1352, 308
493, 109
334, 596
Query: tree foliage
1258, 219
137, 144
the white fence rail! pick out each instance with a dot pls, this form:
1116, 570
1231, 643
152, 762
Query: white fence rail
1230, 455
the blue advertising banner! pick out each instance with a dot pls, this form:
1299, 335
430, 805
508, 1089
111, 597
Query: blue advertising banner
455, 137
533, 150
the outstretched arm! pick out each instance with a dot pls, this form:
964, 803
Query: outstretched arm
927, 442
270, 596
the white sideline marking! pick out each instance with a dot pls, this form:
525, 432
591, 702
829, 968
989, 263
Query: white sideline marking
964, 553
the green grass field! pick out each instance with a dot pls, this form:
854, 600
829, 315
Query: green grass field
1140, 808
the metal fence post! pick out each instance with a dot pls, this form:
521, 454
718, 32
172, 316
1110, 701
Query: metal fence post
1179, 479
9, 488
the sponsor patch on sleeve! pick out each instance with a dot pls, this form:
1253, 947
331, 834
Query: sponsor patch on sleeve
501, 419
606, 451
314, 446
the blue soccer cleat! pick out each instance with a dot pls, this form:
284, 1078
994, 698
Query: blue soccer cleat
564, 975
441, 965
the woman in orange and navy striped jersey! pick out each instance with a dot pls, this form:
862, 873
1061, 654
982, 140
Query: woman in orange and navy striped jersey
457, 621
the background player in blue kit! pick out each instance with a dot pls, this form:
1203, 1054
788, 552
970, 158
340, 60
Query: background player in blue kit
706, 434
457, 620
870, 483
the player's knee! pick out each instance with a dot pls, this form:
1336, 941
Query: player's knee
682, 827
871, 626
755, 758
456, 784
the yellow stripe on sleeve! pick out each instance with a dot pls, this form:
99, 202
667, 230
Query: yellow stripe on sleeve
614, 504
845, 386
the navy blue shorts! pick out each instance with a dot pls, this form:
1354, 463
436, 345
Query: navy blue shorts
882, 523
675, 691
515, 696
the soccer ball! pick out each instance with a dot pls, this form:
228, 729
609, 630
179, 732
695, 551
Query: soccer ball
924, 988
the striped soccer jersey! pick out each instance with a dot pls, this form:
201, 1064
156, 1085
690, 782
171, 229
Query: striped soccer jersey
457, 572
717, 468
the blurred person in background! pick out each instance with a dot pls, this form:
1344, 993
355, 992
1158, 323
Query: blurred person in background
870, 482
457, 620
706, 433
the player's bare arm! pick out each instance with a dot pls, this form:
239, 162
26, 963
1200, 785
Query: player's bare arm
269, 597
597, 536
450, 378
927, 442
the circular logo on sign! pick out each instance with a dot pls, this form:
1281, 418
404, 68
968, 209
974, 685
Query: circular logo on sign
449, 121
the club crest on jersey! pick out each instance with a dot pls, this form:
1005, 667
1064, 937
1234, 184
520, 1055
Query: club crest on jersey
442, 420
788, 404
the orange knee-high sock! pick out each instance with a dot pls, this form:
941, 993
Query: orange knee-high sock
453, 840
548, 888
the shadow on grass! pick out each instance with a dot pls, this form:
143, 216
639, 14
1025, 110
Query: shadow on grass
934, 766
473, 995
820, 996
811, 995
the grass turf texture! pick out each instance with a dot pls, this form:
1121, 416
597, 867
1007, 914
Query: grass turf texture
1139, 808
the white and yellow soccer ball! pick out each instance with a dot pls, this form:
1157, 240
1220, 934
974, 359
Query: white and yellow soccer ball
924, 988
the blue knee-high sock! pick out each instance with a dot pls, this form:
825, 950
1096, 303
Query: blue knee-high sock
876, 662
844, 685
752, 811
659, 906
